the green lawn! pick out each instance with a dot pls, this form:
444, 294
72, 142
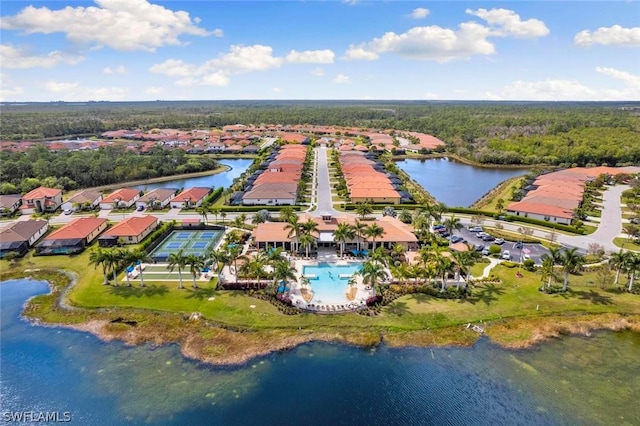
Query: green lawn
626, 244
515, 297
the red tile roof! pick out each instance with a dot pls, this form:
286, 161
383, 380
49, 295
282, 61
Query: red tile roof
132, 226
77, 228
41, 192
192, 194
123, 194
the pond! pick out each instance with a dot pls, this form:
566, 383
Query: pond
453, 183
571, 381
224, 179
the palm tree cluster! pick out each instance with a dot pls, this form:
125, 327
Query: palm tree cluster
301, 232
347, 232
628, 262
570, 261
112, 260
426, 215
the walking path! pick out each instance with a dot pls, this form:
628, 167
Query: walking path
487, 270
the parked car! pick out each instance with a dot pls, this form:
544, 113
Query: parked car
526, 257
499, 241
140, 208
506, 255
634, 220
456, 239
481, 234
475, 229
518, 244
436, 227
485, 251
488, 238
68, 211
478, 247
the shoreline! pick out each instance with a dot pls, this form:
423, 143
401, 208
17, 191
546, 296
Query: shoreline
214, 344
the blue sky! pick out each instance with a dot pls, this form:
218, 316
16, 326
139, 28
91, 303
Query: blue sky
147, 50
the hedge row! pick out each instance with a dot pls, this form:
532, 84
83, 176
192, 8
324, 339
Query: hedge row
149, 243
256, 208
215, 194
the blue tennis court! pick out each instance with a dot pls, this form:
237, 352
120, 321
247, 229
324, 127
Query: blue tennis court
190, 242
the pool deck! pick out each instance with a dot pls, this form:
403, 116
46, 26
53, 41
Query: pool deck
295, 288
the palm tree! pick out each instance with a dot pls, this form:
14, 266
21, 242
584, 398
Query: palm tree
343, 232
294, 227
177, 260
359, 229
372, 273
233, 253
203, 209
195, 263
113, 258
306, 239
286, 213
451, 224
379, 255
374, 231
283, 271
632, 264
223, 214
137, 257
443, 266
571, 262
619, 261
240, 220
465, 260
98, 257
554, 257
363, 209
215, 211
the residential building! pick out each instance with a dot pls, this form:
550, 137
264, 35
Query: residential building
9, 204
72, 237
190, 198
157, 198
83, 200
41, 200
120, 199
20, 236
130, 231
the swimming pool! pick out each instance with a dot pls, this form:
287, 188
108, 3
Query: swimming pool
329, 281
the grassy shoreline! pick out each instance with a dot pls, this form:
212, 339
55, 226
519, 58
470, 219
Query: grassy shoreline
229, 333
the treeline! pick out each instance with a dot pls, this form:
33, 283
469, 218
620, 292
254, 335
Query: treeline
487, 132
67, 170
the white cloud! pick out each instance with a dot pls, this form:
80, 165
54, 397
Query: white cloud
340, 79
630, 80
419, 13
436, 43
318, 72
117, 70
216, 72
74, 91
217, 32
276, 90
311, 57
8, 89
15, 57
154, 90
612, 36
360, 53
506, 22
571, 90
118, 24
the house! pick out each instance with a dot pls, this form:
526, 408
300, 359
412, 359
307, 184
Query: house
20, 236
272, 194
72, 237
84, 200
130, 231
121, 199
156, 198
190, 198
41, 200
9, 204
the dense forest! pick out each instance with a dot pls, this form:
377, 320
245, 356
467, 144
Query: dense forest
22, 172
561, 133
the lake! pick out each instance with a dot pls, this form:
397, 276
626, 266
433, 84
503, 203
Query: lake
224, 179
453, 183
572, 381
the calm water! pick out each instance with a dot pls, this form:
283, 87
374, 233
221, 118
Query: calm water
455, 184
238, 166
572, 381
328, 286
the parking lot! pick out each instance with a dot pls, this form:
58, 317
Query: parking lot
517, 254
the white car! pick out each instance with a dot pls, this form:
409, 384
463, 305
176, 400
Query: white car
68, 211
506, 255
526, 257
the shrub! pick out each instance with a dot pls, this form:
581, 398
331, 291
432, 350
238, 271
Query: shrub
509, 264
495, 249
529, 264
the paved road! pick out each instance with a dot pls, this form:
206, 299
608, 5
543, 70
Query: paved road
324, 186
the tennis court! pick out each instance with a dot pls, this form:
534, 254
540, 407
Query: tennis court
190, 242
